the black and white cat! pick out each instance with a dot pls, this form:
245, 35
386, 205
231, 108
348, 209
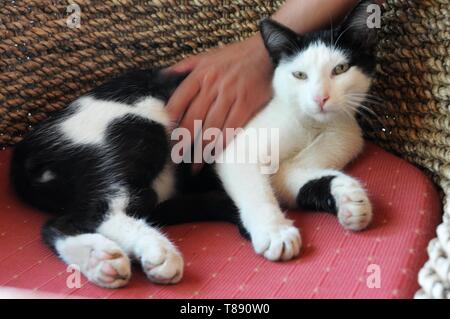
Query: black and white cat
103, 163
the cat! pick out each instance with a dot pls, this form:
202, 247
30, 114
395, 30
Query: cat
103, 163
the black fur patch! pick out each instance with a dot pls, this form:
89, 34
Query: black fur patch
134, 85
316, 195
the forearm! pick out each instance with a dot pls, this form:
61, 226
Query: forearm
306, 15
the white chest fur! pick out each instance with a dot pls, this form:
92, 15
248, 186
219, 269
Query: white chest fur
295, 133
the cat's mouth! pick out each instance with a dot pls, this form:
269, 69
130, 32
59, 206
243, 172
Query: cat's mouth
324, 114
326, 109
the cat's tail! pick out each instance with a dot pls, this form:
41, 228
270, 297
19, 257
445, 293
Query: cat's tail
198, 207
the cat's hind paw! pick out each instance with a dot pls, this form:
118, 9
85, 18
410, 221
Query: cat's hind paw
100, 259
163, 265
108, 267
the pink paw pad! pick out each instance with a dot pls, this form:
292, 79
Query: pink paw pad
109, 270
348, 214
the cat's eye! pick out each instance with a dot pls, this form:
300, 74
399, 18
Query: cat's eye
341, 68
300, 75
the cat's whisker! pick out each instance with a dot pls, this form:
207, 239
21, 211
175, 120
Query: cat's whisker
356, 100
360, 109
366, 96
348, 113
365, 116
373, 126
363, 96
362, 99
369, 101
360, 105
340, 35
367, 119
331, 31
363, 106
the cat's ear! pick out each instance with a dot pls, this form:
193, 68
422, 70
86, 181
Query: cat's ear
279, 40
359, 26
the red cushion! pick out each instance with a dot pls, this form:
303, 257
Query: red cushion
220, 264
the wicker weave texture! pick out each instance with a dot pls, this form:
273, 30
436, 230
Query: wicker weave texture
413, 82
45, 64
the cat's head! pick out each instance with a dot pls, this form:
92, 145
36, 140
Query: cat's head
323, 73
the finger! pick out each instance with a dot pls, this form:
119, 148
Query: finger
197, 111
216, 116
182, 97
185, 65
237, 118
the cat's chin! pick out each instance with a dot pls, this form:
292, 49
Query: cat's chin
323, 117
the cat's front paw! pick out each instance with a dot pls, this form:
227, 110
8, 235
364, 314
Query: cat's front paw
354, 210
280, 241
163, 264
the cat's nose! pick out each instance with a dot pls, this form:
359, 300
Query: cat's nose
321, 100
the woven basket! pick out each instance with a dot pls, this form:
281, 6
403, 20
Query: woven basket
45, 64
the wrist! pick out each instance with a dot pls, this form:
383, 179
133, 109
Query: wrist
258, 51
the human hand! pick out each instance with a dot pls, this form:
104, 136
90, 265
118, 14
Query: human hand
226, 87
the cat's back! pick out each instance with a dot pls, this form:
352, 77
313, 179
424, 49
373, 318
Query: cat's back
115, 133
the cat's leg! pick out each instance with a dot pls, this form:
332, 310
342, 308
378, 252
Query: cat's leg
325, 190
100, 245
160, 259
100, 259
272, 234
312, 179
